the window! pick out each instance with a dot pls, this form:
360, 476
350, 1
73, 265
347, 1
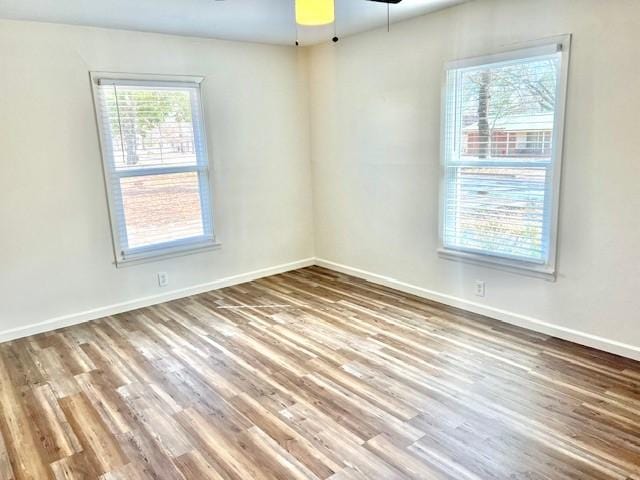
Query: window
502, 145
155, 164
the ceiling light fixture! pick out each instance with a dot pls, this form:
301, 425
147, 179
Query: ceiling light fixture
315, 12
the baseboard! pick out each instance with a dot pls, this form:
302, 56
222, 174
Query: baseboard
582, 338
88, 315
607, 345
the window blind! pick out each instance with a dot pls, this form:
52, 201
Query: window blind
500, 121
156, 165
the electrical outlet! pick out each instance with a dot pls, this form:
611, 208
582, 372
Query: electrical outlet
480, 288
163, 279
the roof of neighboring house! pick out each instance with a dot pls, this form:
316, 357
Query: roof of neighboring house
519, 123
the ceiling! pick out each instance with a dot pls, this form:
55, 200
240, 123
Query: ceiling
265, 21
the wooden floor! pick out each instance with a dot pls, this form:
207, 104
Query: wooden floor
313, 374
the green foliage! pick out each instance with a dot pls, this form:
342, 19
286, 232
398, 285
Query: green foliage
140, 111
153, 107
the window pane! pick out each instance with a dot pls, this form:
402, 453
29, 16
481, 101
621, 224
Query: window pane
150, 127
507, 111
496, 210
161, 208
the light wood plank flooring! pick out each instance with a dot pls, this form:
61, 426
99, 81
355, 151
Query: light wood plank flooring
309, 375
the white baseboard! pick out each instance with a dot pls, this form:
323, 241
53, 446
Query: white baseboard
611, 346
81, 317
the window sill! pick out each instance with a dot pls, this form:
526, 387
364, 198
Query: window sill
545, 272
167, 253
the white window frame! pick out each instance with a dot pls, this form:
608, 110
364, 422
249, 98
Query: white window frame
166, 249
560, 43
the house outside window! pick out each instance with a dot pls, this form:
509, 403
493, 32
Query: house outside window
513, 136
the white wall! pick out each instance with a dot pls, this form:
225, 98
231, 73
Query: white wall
55, 245
375, 110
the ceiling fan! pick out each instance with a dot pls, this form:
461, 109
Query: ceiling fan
322, 12
315, 13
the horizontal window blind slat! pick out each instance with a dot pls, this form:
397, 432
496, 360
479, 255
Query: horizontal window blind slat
150, 170
155, 85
